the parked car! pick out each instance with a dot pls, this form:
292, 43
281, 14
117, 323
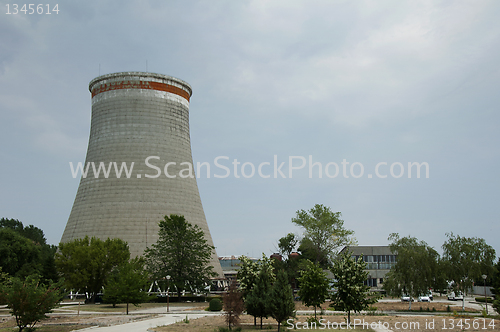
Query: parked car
424, 298
406, 298
455, 296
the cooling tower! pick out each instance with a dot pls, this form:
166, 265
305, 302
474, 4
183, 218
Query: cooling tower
140, 118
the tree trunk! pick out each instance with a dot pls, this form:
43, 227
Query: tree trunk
261, 322
348, 317
127, 308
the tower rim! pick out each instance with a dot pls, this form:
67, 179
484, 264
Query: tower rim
142, 76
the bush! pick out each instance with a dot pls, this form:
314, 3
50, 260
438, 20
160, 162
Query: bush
215, 305
481, 299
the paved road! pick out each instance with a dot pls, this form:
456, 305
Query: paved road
144, 325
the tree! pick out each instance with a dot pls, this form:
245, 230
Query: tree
29, 301
324, 233
313, 286
287, 244
24, 251
351, 293
86, 263
233, 305
19, 256
415, 268
127, 284
247, 275
291, 263
181, 252
257, 300
281, 303
496, 286
466, 260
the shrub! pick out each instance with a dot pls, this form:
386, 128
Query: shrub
481, 299
215, 305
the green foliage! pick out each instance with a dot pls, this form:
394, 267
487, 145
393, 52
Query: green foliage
466, 259
29, 301
281, 302
233, 306
257, 300
247, 275
291, 265
249, 272
31, 232
313, 286
127, 284
86, 263
496, 305
181, 252
287, 244
483, 299
215, 305
24, 251
496, 286
415, 270
324, 234
351, 293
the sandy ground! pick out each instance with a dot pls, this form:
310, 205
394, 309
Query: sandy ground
439, 322
377, 323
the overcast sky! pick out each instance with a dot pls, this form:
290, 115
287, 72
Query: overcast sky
365, 81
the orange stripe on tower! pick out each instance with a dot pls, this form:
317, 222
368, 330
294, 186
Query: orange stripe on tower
140, 85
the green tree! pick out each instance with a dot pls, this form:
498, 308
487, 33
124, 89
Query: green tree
127, 284
466, 260
287, 244
415, 269
314, 286
291, 264
86, 263
19, 256
24, 251
257, 300
181, 252
281, 303
29, 301
495, 283
351, 293
324, 234
247, 275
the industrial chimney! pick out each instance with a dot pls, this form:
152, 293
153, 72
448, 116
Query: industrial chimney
140, 118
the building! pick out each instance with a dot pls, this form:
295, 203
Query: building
139, 121
379, 260
230, 266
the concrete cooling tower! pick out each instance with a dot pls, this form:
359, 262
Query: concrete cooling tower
140, 118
